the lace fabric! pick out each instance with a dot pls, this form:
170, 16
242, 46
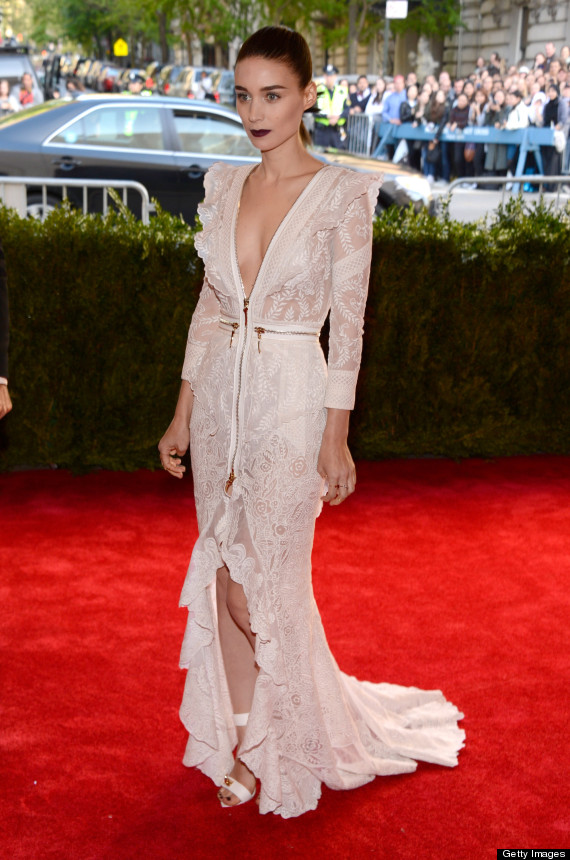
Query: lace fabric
309, 723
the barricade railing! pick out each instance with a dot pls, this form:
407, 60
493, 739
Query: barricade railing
529, 140
360, 133
538, 179
13, 192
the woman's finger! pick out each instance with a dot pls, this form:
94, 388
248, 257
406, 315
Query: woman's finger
172, 464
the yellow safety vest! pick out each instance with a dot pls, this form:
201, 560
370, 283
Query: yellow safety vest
331, 105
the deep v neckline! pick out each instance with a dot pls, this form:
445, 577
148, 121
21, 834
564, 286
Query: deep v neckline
276, 232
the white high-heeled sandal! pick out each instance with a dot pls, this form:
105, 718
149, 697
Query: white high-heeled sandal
240, 791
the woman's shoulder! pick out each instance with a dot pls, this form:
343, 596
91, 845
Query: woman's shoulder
341, 190
350, 184
220, 176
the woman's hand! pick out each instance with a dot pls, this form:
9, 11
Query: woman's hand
176, 440
335, 463
174, 445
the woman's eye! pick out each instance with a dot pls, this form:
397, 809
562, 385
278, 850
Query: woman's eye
243, 97
272, 97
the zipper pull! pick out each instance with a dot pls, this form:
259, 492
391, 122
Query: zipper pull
259, 331
234, 327
245, 307
230, 481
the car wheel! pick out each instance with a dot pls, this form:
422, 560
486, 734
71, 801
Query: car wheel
35, 207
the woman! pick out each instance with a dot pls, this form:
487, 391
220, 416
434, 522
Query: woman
496, 115
554, 115
458, 119
375, 103
477, 115
282, 242
435, 117
8, 103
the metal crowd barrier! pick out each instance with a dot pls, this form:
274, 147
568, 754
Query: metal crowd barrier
527, 139
517, 187
360, 133
13, 192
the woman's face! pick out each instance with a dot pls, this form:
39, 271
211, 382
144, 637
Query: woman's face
499, 98
412, 93
4, 89
380, 86
270, 101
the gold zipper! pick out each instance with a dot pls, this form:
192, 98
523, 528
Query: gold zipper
232, 475
234, 327
259, 331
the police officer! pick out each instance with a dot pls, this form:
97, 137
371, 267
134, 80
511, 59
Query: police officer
331, 99
136, 86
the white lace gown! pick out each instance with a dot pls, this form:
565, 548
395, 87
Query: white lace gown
261, 390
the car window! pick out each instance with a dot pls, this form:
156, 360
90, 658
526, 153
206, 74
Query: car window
211, 135
131, 127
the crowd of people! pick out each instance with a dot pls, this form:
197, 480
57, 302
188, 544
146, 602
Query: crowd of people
512, 97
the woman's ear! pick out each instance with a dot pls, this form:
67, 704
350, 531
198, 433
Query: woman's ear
310, 95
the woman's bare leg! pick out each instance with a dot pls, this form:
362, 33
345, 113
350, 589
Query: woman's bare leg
238, 651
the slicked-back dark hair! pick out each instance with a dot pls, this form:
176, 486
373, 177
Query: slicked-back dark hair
282, 45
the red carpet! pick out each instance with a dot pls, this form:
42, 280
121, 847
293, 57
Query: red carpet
434, 574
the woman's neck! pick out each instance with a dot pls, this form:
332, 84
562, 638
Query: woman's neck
289, 159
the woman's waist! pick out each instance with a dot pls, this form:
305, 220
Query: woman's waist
267, 329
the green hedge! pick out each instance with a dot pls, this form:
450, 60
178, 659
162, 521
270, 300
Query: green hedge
467, 345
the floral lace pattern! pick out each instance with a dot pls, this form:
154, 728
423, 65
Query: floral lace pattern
309, 723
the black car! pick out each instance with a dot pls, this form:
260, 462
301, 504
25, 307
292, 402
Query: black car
167, 144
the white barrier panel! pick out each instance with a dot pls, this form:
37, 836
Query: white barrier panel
14, 197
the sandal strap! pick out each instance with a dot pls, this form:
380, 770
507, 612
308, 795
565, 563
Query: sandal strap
241, 719
240, 791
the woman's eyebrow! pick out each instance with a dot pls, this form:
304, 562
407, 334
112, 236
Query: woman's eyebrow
263, 89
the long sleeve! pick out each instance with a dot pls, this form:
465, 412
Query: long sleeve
204, 320
352, 250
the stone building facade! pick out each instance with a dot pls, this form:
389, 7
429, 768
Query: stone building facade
515, 29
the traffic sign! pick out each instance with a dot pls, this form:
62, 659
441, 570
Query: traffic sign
396, 8
120, 48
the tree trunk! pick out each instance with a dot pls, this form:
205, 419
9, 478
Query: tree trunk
162, 30
188, 39
352, 37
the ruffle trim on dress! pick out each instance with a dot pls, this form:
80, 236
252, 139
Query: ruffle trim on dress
347, 187
209, 209
288, 787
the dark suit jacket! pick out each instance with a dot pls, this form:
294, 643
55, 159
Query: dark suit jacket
4, 319
355, 101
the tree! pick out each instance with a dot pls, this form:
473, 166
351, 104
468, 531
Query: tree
438, 18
